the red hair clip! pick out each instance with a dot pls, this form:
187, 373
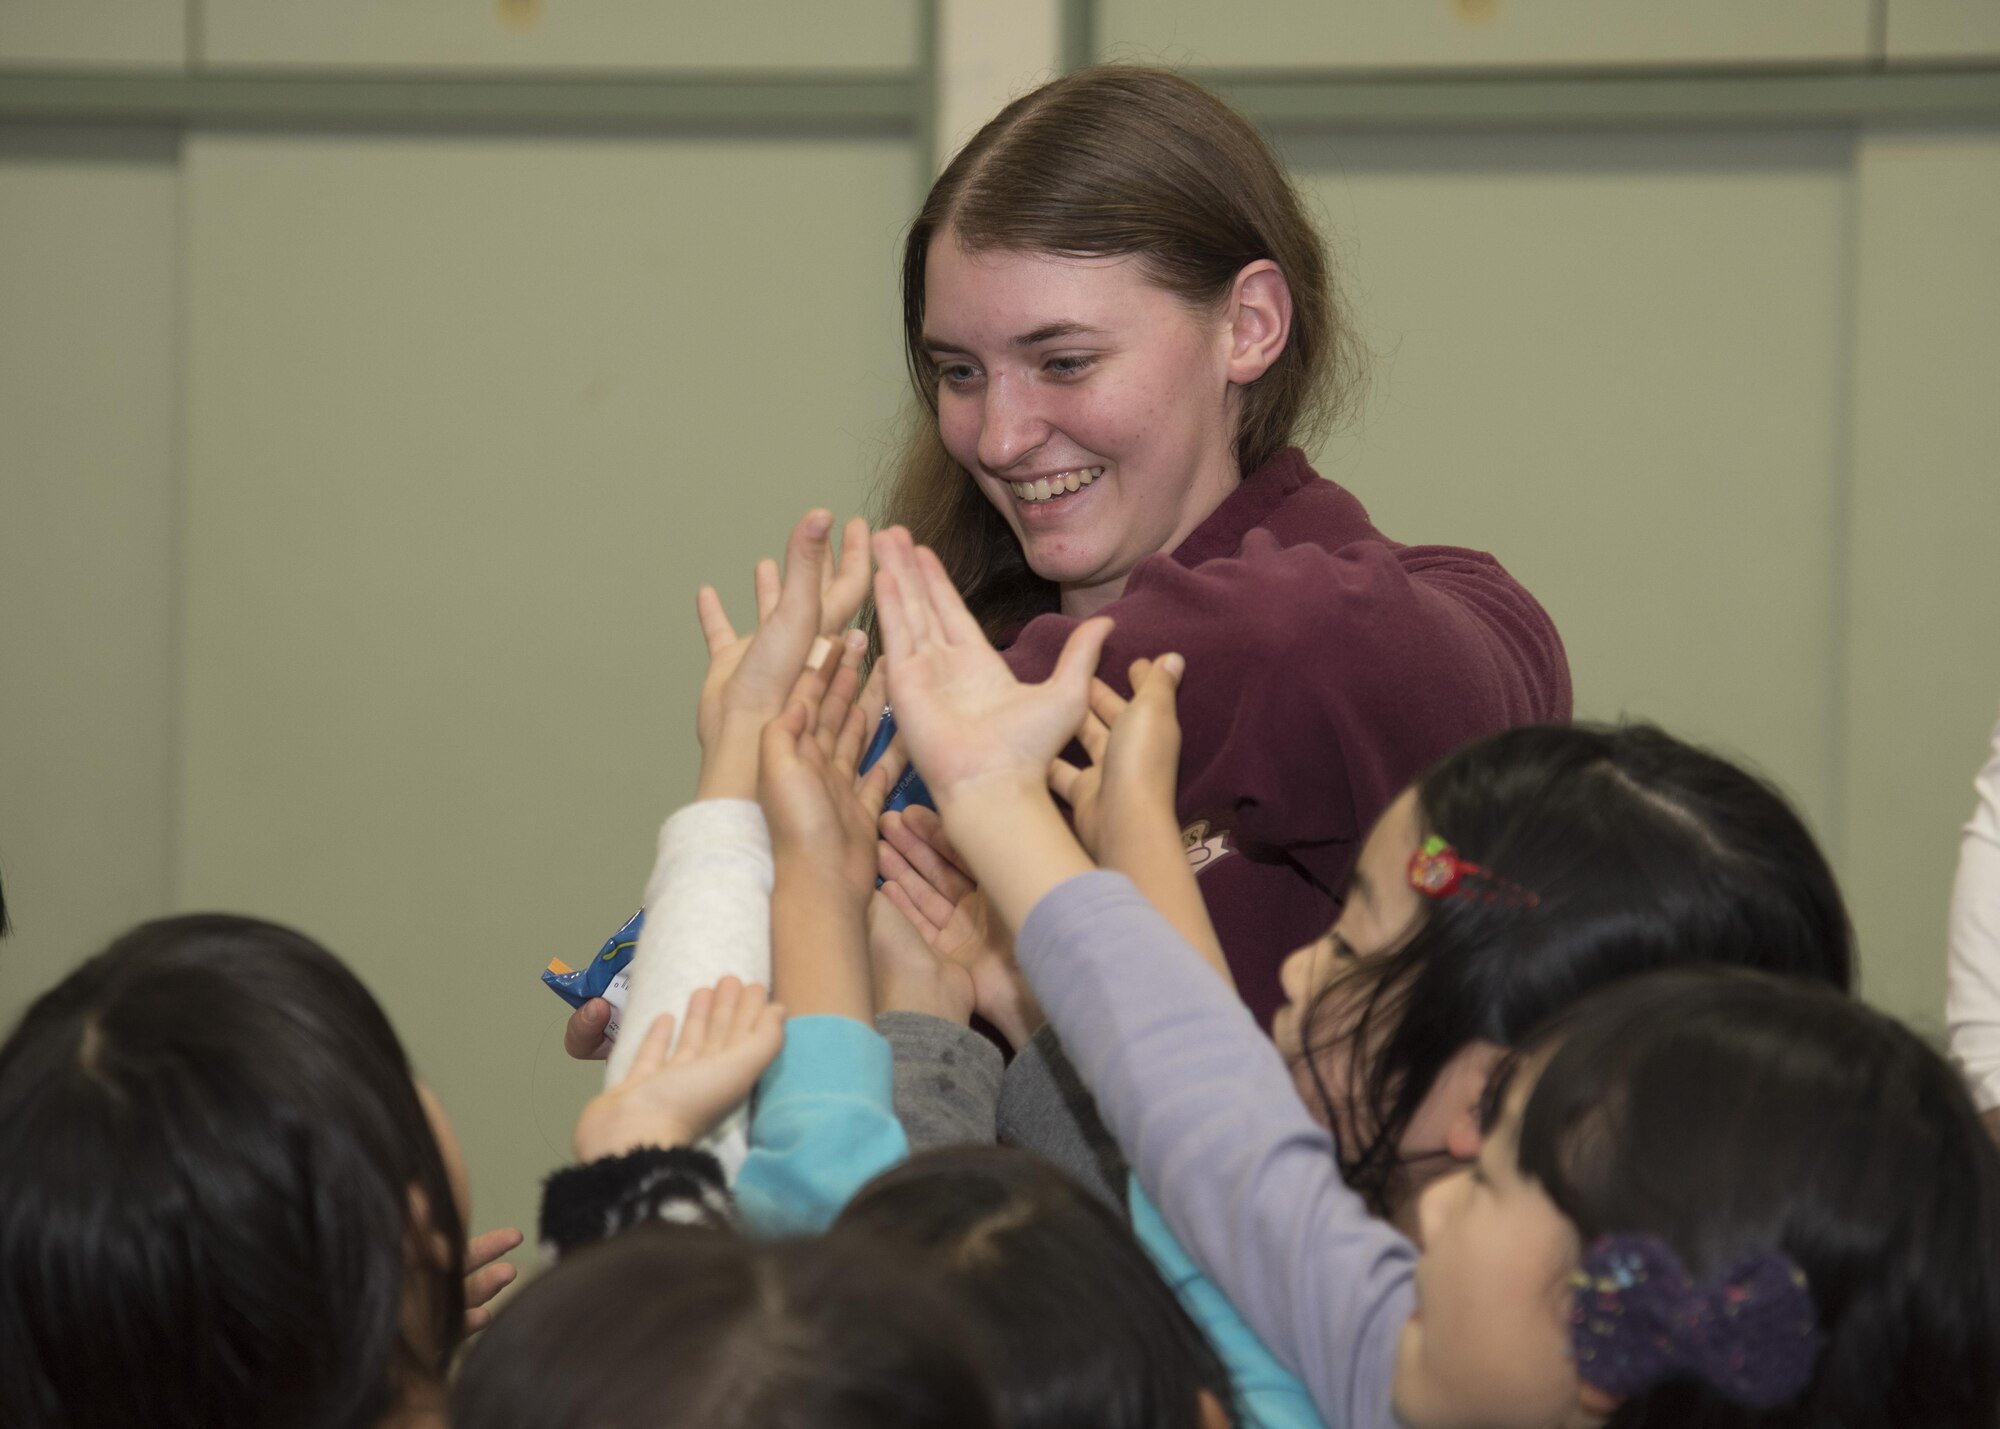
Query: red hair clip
1436, 871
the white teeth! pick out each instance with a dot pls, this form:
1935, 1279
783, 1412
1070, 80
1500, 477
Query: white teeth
1049, 487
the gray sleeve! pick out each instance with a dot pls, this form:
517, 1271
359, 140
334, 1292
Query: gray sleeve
1203, 1104
946, 1080
1045, 1107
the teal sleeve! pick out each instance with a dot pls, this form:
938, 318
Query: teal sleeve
823, 1126
1268, 1396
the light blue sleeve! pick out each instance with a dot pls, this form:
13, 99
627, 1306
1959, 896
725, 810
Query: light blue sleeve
822, 1127
1268, 1396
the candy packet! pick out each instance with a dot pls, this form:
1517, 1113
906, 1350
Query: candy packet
609, 974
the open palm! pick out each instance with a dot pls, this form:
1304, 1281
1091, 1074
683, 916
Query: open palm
964, 716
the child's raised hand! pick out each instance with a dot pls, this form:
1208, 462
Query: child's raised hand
947, 910
750, 676
966, 719
821, 814
730, 1035
908, 974
1127, 790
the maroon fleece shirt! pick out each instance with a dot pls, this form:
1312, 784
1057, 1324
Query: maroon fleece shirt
1327, 666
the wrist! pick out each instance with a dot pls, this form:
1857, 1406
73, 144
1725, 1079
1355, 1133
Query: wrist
729, 762
611, 1135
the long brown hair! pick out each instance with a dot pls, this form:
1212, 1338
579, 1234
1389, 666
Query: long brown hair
1109, 161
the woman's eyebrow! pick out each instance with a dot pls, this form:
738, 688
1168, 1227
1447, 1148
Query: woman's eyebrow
1049, 332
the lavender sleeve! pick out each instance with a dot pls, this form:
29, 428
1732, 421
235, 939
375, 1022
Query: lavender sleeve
1204, 1107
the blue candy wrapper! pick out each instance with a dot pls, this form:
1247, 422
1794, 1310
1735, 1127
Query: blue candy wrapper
609, 973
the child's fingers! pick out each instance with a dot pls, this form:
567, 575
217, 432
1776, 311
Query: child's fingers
955, 623
1063, 779
926, 825
898, 642
778, 746
896, 558
715, 626
928, 908
749, 1003
1093, 734
1106, 703
840, 691
722, 1013
694, 1026
905, 836
805, 557
765, 578
1078, 661
872, 792
653, 1051
862, 717
905, 905
842, 592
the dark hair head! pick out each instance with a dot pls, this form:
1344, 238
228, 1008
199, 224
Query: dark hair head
1641, 852
671, 1325
1111, 161
209, 1141
1075, 1326
1728, 1112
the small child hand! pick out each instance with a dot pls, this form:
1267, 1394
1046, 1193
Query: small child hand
922, 881
908, 974
486, 1275
730, 1035
1126, 792
751, 676
821, 814
966, 718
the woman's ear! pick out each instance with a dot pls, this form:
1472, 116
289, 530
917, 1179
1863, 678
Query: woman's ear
1260, 320
424, 1244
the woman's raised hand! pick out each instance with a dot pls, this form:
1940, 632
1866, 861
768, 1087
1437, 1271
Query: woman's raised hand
965, 718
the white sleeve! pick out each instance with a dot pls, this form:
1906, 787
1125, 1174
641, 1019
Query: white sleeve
708, 915
1972, 988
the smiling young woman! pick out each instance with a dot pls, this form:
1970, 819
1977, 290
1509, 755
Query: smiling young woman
1120, 322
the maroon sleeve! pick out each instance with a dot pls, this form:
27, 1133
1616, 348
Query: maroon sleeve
1320, 682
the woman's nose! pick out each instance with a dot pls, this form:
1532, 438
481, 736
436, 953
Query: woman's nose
1011, 425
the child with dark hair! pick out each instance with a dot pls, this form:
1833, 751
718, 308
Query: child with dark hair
671, 1326
1496, 1333
223, 1199
1074, 1324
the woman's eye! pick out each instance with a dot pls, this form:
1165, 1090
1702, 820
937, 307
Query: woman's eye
957, 374
1070, 366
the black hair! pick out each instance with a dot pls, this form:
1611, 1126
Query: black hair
1639, 851
1074, 1324
671, 1325
1728, 1112
209, 1145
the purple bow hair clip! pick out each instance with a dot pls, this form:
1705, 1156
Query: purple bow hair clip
1639, 1319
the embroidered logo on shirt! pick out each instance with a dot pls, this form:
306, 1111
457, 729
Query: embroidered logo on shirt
1202, 847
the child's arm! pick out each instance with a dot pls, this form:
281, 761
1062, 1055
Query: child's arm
1196, 1094
708, 895
635, 1157
1123, 800
825, 1122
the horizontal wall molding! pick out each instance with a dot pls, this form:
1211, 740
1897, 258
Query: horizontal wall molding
895, 102
1280, 100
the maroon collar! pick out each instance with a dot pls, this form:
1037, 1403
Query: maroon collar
1245, 508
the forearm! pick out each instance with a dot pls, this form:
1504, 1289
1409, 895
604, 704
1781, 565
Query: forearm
819, 946
1015, 840
708, 905
1149, 852
729, 759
